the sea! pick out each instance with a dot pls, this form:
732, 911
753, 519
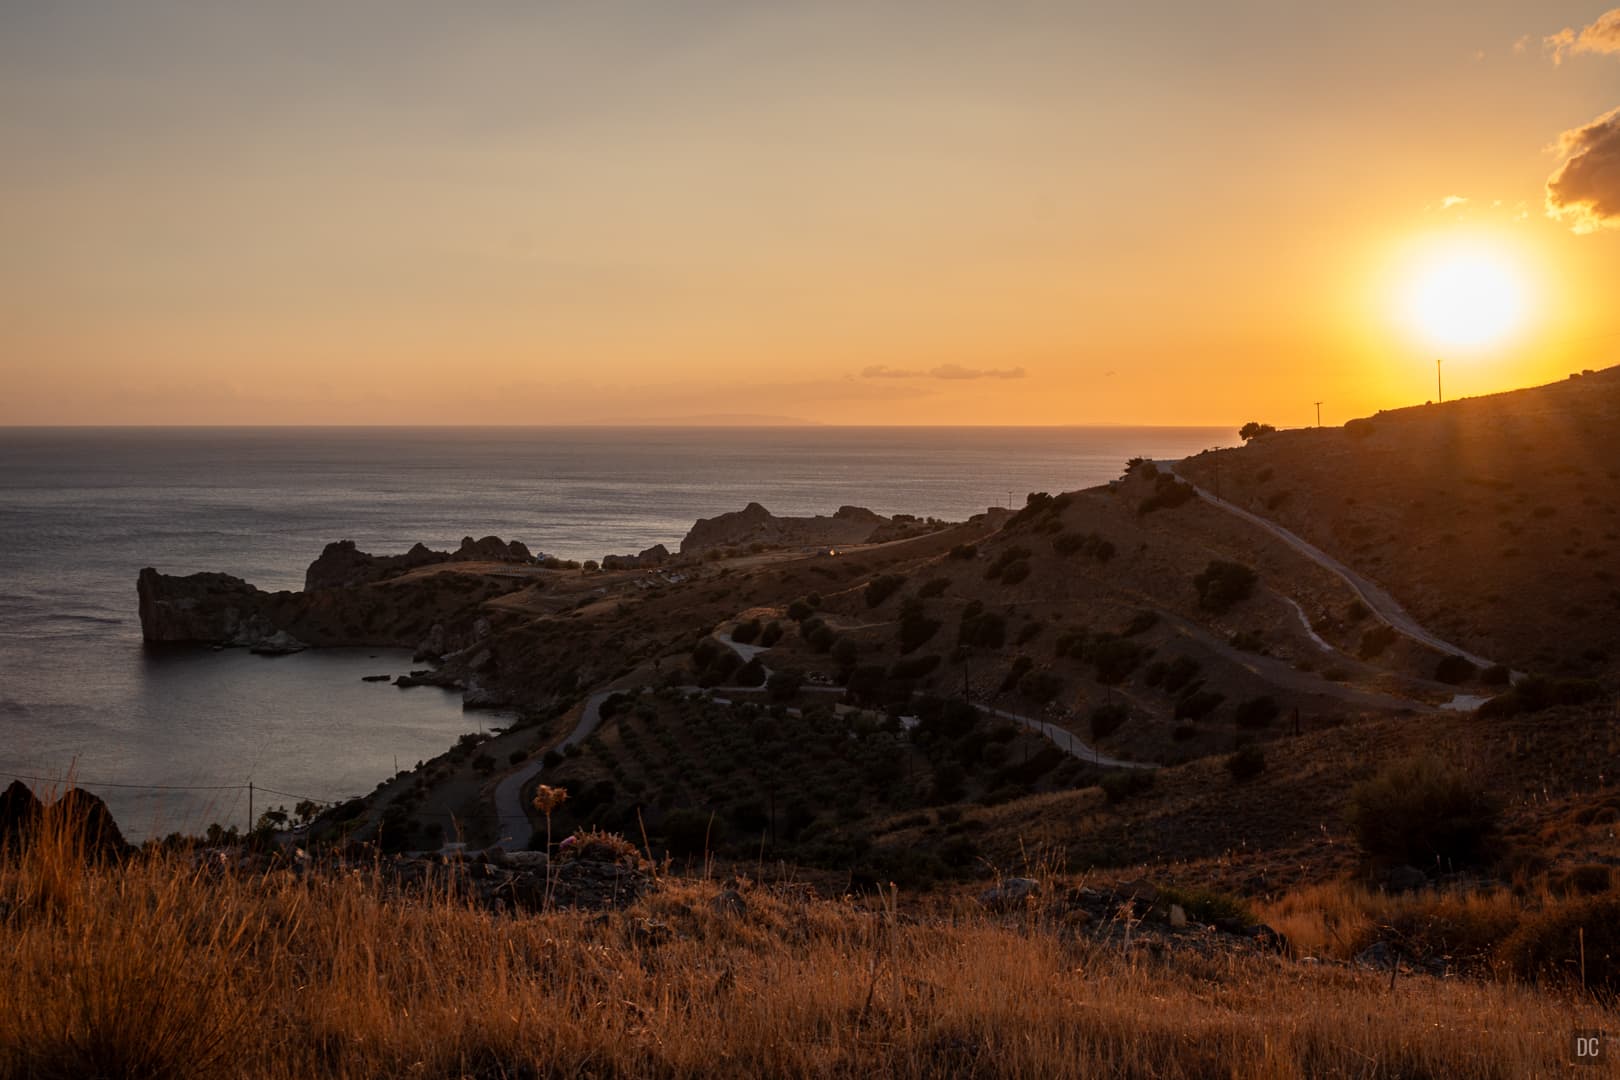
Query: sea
173, 737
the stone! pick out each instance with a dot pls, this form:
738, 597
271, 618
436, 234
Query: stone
279, 643
20, 811
1178, 916
1010, 893
1378, 956
1406, 879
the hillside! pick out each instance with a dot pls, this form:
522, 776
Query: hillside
1494, 520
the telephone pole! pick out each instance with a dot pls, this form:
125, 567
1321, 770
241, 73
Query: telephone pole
1439, 390
1318, 414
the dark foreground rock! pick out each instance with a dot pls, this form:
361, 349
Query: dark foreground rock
78, 816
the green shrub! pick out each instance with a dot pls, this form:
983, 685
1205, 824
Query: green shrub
800, 610
984, 629
1121, 784
1168, 493
1256, 713
1107, 719
1248, 763
1198, 704
1140, 623
964, 551
913, 667
1015, 572
1535, 693
1206, 905
881, 588
1568, 942
1041, 685
784, 685
916, 629
750, 674
1180, 672
1115, 657
1375, 641
1221, 585
1454, 670
552, 759
1422, 810
934, 588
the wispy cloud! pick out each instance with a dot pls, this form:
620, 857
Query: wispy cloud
943, 371
1453, 200
1584, 191
1601, 36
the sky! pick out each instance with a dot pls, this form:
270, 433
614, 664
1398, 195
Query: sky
414, 212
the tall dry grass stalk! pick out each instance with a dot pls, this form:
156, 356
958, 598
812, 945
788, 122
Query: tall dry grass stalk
159, 969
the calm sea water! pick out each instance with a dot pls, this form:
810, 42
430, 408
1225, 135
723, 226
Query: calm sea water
82, 510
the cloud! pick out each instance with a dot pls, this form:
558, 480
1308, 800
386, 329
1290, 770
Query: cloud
1522, 44
1584, 191
1601, 36
1453, 200
943, 371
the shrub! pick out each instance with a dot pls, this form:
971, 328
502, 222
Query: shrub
1256, 713
1028, 632
597, 846
1183, 731
1254, 429
1568, 942
1168, 493
771, 634
1248, 763
1199, 704
1015, 572
1375, 641
913, 667
551, 759
1107, 719
985, 629
692, 832
933, 588
750, 674
1223, 584
1115, 658
746, 633
964, 551
1454, 670
1421, 810
784, 685
882, 587
1181, 671
800, 610
916, 629
1020, 667
1121, 784
1536, 692
1140, 623
1041, 685
1206, 905
1496, 675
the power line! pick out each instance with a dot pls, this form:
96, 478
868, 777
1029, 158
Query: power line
77, 782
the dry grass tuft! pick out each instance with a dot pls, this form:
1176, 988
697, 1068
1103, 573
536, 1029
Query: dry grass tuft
156, 968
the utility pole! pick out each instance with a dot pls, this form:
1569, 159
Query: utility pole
1439, 390
250, 806
1318, 414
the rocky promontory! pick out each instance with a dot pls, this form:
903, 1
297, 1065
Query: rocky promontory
754, 524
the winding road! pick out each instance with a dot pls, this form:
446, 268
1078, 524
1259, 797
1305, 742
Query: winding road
1377, 600
512, 824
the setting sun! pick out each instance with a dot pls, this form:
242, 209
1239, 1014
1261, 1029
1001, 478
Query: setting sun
1467, 298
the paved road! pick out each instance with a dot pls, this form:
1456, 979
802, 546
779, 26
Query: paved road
1068, 741
512, 825
1380, 602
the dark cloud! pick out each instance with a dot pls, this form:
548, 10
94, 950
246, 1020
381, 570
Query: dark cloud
1602, 36
1584, 191
943, 371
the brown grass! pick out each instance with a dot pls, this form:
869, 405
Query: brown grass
160, 969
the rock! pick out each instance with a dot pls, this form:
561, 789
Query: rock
279, 643
755, 524
1378, 956
341, 564
478, 696
201, 609
1178, 916
491, 549
376, 678
20, 811
730, 902
527, 860
1010, 893
1406, 879
656, 555
433, 646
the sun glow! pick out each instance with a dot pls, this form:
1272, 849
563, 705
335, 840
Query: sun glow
1467, 298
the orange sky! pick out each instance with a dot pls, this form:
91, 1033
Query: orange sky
937, 213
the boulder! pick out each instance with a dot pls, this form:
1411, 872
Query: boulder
279, 643
19, 814
1010, 893
491, 549
341, 563
755, 524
